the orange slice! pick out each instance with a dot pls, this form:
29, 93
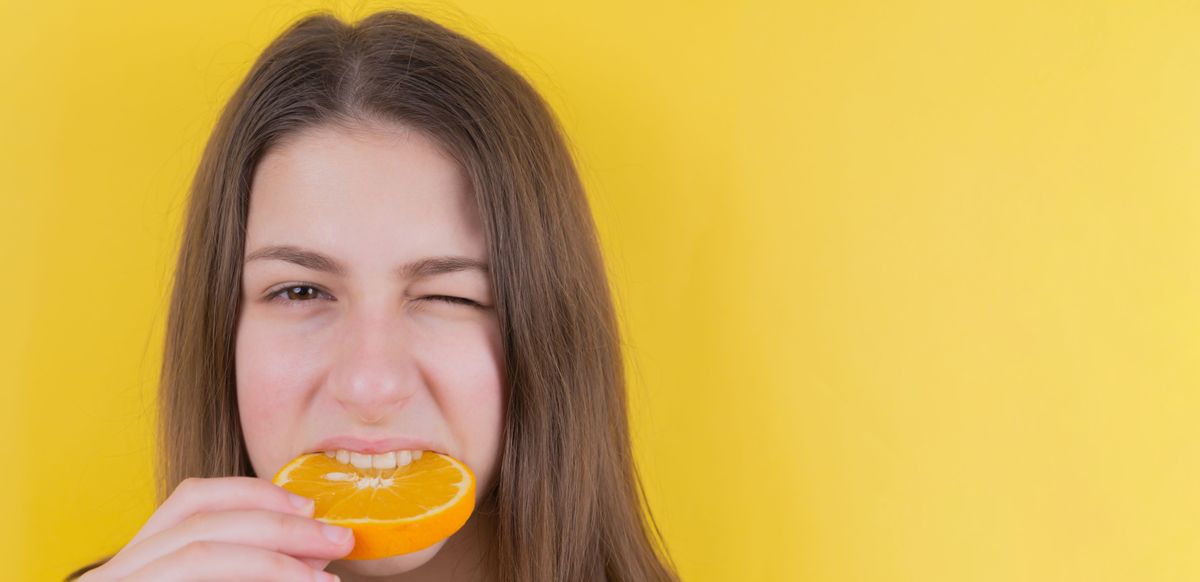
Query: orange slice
392, 511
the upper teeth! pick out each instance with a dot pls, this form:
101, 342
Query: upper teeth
388, 460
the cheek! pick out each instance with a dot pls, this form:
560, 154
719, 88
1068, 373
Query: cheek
470, 381
270, 370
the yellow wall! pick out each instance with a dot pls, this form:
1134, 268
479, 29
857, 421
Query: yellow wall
911, 288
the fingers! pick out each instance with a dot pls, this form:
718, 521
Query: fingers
208, 560
316, 563
196, 495
267, 530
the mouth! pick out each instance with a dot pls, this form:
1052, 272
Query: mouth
388, 460
375, 454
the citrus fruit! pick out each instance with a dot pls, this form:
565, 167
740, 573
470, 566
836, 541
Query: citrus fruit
391, 511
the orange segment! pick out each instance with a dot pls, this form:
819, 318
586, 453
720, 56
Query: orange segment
392, 511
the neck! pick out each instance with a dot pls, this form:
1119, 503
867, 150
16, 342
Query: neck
461, 559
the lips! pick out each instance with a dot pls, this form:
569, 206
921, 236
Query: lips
366, 446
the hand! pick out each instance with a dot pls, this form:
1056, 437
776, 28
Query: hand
236, 528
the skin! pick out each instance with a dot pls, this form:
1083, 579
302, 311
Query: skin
369, 353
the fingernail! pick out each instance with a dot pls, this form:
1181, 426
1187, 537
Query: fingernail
301, 502
320, 576
337, 535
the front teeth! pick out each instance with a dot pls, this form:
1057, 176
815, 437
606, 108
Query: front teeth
385, 461
388, 460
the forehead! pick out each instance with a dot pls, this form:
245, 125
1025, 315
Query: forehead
382, 195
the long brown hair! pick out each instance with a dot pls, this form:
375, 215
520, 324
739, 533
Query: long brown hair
568, 500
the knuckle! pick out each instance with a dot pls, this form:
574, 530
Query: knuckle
187, 486
197, 551
195, 521
280, 563
282, 523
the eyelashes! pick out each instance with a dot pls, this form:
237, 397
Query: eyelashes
453, 300
289, 295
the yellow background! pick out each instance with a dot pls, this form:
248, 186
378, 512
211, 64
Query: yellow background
910, 288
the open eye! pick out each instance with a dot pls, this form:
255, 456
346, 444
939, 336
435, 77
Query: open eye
296, 294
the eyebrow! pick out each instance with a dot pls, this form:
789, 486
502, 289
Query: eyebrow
315, 261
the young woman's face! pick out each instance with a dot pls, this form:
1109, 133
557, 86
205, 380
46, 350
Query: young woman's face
347, 330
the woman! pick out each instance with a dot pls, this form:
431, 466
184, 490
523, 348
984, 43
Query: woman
388, 245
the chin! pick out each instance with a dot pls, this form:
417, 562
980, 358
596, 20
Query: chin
387, 566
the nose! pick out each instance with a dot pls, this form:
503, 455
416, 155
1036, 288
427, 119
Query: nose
375, 372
